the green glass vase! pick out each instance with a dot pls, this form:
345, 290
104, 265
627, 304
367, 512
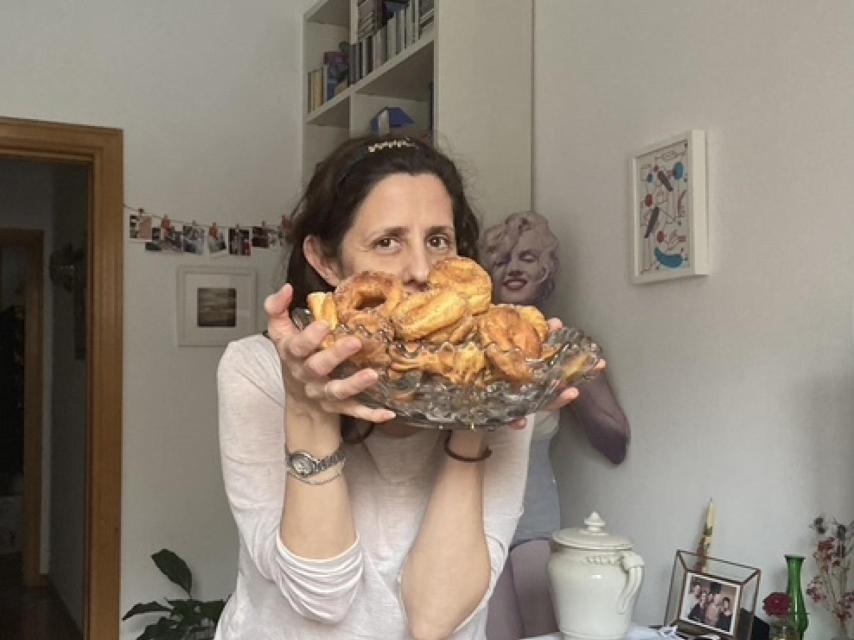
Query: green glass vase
797, 608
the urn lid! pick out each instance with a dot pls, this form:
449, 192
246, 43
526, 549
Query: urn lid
592, 536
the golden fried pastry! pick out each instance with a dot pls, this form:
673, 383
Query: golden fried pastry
374, 352
368, 290
469, 362
425, 312
536, 319
512, 364
505, 327
374, 331
467, 278
449, 330
456, 333
322, 307
460, 365
371, 321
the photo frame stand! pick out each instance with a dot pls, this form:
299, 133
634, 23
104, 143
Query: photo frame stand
740, 582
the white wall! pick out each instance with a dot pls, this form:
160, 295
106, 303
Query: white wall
737, 385
208, 95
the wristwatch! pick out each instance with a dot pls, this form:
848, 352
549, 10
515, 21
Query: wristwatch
304, 465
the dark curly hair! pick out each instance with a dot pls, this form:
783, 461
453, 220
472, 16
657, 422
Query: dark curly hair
341, 183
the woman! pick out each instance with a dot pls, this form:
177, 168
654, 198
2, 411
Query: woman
725, 619
698, 613
408, 538
521, 254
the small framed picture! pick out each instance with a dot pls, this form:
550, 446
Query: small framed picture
670, 229
215, 304
709, 602
712, 596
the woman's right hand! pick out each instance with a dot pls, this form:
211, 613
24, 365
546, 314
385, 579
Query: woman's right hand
306, 364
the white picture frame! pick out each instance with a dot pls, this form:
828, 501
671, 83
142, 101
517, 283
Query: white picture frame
669, 217
215, 305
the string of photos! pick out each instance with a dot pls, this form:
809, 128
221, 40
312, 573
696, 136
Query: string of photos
166, 235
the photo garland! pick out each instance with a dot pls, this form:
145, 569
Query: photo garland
164, 235
711, 596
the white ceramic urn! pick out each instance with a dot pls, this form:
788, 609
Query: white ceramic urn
594, 578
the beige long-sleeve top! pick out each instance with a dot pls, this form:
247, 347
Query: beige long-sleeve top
280, 596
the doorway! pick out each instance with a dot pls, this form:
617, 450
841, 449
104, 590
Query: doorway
99, 336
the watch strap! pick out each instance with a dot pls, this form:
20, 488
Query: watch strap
303, 464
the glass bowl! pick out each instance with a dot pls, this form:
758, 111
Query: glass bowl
432, 401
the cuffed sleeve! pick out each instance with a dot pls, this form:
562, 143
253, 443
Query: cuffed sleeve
252, 445
321, 590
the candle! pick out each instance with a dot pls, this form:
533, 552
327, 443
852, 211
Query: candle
706, 537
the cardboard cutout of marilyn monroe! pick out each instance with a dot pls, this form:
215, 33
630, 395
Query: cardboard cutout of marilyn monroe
521, 255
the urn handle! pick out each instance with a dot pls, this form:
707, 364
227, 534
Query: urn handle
632, 564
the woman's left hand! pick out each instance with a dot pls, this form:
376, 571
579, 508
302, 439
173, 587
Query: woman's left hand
566, 395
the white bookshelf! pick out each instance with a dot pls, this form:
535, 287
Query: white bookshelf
478, 55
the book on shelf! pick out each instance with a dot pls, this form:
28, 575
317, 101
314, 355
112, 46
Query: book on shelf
330, 79
401, 23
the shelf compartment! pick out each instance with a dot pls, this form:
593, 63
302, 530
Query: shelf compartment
407, 75
332, 113
335, 12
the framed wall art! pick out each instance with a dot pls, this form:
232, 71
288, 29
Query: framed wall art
215, 305
670, 229
712, 596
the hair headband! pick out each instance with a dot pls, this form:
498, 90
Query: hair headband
396, 143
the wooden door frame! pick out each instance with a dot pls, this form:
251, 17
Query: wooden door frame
32, 242
102, 149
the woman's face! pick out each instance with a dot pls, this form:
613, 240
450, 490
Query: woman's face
519, 277
404, 226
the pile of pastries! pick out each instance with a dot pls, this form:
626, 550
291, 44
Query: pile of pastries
450, 329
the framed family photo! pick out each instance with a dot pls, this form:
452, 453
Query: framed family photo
712, 596
670, 230
215, 305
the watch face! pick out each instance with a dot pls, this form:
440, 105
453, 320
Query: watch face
301, 464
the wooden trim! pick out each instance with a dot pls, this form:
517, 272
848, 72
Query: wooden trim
32, 241
102, 148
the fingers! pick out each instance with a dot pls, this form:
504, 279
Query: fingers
359, 411
338, 396
276, 306
278, 303
322, 363
304, 343
564, 398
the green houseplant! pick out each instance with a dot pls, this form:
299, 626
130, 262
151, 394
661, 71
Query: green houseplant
184, 619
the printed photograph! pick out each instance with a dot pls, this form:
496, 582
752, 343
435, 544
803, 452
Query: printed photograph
194, 239
216, 307
216, 241
710, 603
140, 227
260, 238
153, 244
239, 243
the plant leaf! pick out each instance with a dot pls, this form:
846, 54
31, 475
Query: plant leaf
212, 610
147, 607
174, 568
157, 631
187, 611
